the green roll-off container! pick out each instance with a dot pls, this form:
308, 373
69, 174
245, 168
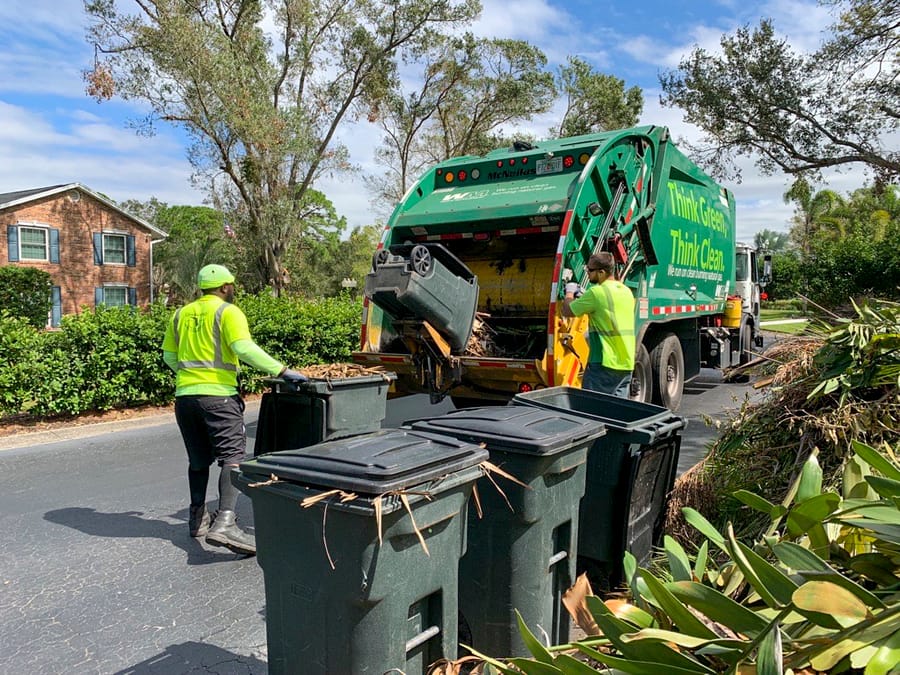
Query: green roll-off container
630, 472
521, 555
342, 594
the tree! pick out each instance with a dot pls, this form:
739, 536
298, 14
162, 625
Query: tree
815, 212
798, 113
197, 236
262, 109
595, 101
771, 241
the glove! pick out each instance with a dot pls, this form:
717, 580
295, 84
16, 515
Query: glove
574, 289
293, 377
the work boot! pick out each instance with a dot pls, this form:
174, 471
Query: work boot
199, 520
225, 532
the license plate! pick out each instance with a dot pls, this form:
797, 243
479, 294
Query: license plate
544, 166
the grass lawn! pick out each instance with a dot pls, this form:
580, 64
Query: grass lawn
786, 315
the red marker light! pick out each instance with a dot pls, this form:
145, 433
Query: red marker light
511, 162
525, 387
524, 160
568, 161
499, 163
461, 175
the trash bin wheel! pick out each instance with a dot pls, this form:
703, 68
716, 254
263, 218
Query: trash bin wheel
420, 259
380, 257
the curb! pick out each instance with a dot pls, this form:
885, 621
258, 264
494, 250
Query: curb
76, 431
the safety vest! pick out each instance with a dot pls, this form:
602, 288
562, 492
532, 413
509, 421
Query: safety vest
203, 358
611, 333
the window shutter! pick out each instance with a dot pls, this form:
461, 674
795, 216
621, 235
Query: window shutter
98, 249
98, 296
132, 297
12, 242
56, 311
54, 246
129, 250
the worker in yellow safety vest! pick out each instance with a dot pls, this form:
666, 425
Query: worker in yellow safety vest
609, 305
203, 344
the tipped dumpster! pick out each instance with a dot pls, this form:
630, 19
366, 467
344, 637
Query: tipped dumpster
295, 416
522, 552
349, 585
630, 473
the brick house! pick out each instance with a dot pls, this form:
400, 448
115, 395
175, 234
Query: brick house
95, 252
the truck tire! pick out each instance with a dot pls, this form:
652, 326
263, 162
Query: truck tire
642, 376
745, 342
667, 361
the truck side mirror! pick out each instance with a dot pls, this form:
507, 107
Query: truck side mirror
767, 270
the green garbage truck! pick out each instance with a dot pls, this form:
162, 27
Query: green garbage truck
464, 296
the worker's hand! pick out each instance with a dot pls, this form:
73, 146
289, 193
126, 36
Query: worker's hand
574, 289
293, 376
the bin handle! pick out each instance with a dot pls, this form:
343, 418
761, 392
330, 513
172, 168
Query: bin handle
421, 638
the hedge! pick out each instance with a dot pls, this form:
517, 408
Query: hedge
111, 357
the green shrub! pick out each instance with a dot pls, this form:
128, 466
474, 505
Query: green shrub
111, 357
25, 292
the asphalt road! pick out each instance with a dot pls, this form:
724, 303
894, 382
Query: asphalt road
98, 573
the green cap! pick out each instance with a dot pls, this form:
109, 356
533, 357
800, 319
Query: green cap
213, 276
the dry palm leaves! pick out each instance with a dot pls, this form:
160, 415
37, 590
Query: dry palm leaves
824, 392
481, 342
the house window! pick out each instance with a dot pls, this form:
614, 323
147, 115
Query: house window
114, 249
33, 243
115, 296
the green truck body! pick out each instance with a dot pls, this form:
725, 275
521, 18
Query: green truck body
521, 222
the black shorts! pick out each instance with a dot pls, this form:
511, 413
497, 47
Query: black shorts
212, 428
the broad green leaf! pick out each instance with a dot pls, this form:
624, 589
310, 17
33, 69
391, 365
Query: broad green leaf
569, 665
533, 645
811, 474
761, 504
718, 607
879, 511
633, 614
706, 528
751, 564
827, 656
615, 630
813, 510
700, 563
861, 657
769, 657
633, 667
888, 532
831, 599
869, 598
796, 557
886, 657
853, 480
679, 563
876, 460
777, 584
875, 566
530, 667
680, 615
886, 487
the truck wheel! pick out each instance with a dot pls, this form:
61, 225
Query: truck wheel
420, 259
667, 360
642, 376
746, 342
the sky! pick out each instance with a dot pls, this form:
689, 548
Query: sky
51, 132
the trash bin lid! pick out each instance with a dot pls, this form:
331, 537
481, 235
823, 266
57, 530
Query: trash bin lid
375, 463
519, 429
615, 412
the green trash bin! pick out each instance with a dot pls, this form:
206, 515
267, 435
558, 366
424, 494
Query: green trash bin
425, 282
342, 594
296, 416
630, 473
521, 555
